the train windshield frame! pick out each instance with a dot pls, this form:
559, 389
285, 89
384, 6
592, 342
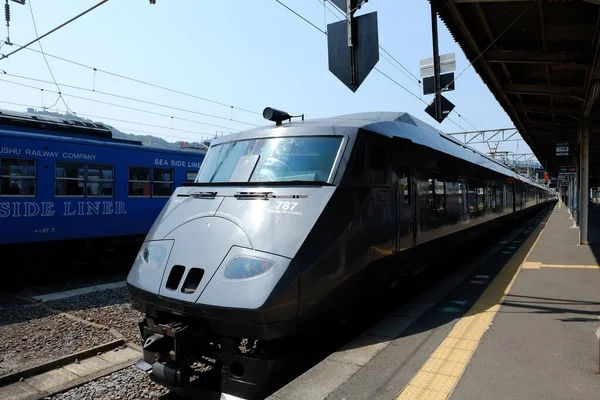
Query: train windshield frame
272, 160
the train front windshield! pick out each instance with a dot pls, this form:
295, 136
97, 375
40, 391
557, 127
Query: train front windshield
306, 158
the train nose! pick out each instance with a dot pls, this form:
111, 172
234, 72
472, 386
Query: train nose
180, 265
199, 247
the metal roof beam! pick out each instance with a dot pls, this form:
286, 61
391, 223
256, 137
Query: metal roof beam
592, 87
550, 124
493, 81
540, 109
574, 92
540, 57
491, 38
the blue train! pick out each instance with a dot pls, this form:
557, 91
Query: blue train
65, 181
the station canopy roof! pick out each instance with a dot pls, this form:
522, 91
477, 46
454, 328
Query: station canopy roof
539, 58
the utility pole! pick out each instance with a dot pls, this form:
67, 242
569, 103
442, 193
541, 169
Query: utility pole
436, 64
431, 71
7, 18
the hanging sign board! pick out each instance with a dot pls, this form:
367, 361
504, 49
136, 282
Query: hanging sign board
562, 148
567, 169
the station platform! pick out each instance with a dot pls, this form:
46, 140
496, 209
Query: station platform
518, 323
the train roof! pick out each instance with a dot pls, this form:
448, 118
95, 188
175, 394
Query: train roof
49, 127
387, 123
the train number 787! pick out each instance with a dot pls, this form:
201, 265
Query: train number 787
286, 205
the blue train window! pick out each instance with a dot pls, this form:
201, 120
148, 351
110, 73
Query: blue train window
162, 184
139, 181
17, 177
69, 179
80, 179
146, 182
100, 180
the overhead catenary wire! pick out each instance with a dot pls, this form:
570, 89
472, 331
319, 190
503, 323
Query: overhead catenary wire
154, 85
201, 134
377, 69
3, 56
2, 72
301, 17
114, 126
45, 59
417, 80
121, 106
399, 64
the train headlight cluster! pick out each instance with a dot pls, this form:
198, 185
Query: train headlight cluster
155, 254
247, 267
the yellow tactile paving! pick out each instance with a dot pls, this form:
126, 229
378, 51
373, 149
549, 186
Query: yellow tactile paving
453, 355
531, 265
431, 381
461, 344
440, 374
473, 329
483, 308
444, 367
419, 393
569, 266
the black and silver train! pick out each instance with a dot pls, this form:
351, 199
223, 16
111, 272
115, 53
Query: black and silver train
289, 225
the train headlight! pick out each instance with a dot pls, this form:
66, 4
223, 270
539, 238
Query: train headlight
246, 268
154, 254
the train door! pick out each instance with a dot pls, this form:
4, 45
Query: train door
405, 194
382, 219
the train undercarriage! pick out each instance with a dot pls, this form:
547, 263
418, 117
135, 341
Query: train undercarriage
184, 355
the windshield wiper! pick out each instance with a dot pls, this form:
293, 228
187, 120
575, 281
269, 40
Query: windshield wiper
253, 195
265, 183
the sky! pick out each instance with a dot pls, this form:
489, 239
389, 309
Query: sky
245, 54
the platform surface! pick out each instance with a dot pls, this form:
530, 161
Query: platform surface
542, 343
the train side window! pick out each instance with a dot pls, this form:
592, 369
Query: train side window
100, 180
360, 162
480, 198
17, 177
462, 195
139, 181
69, 179
162, 182
440, 195
404, 180
491, 198
472, 198
437, 197
378, 162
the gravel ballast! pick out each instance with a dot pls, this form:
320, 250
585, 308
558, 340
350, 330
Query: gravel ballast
110, 307
127, 384
31, 335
